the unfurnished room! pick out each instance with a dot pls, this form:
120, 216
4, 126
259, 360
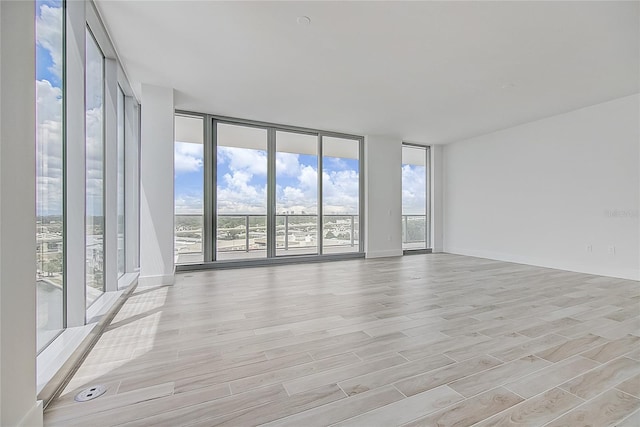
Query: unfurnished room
319, 213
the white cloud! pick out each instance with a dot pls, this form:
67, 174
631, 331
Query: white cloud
341, 190
188, 204
287, 164
237, 193
295, 200
94, 127
49, 171
308, 178
49, 174
48, 102
188, 157
48, 149
303, 195
49, 35
49, 121
95, 160
293, 194
414, 193
253, 162
336, 163
239, 196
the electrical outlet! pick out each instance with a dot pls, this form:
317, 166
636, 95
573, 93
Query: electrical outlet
612, 250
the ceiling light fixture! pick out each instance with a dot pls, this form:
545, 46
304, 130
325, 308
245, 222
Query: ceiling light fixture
303, 20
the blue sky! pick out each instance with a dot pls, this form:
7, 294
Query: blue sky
44, 63
46, 45
49, 93
49, 107
242, 180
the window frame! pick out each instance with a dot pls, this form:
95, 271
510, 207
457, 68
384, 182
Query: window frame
105, 163
204, 181
80, 18
428, 218
210, 193
121, 180
63, 175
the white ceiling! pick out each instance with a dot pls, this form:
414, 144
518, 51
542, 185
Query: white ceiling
430, 72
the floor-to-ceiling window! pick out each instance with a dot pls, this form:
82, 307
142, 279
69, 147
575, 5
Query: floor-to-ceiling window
296, 193
94, 104
120, 208
241, 203
189, 189
340, 194
78, 136
415, 208
264, 191
49, 170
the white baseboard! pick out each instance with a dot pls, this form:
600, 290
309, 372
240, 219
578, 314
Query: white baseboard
384, 254
160, 280
630, 274
33, 418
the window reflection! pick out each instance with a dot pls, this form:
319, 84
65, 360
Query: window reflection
49, 171
94, 101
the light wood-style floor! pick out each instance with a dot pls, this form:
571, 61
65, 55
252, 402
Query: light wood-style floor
425, 340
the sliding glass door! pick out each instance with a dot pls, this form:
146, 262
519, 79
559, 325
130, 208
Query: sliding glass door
189, 189
340, 195
415, 209
241, 192
250, 191
296, 193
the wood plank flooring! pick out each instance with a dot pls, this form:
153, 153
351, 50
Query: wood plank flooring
424, 340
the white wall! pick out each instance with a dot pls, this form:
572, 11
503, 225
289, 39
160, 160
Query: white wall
18, 404
437, 210
542, 192
156, 186
383, 196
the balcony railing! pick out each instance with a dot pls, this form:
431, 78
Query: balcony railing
339, 230
295, 233
414, 231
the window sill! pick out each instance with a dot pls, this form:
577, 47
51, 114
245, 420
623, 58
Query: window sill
57, 362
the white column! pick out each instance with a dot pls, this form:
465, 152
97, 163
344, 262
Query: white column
18, 405
437, 185
156, 186
383, 196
